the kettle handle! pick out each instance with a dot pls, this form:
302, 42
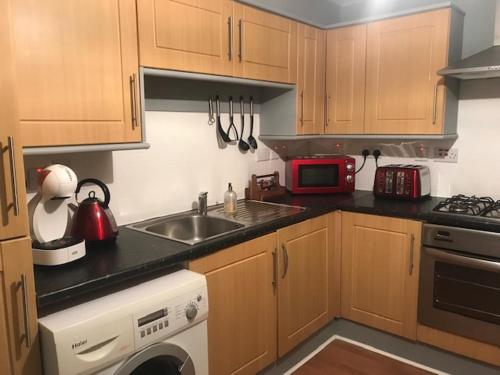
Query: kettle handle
102, 185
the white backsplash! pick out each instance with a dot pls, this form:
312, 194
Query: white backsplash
184, 159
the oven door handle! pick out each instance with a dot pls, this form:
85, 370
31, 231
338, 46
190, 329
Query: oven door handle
482, 264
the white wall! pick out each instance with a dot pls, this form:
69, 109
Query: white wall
183, 160
497, 24
478, 168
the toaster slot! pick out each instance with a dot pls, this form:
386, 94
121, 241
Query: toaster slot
400, 183
389, 180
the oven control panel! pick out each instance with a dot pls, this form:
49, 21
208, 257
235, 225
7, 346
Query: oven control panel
166, 318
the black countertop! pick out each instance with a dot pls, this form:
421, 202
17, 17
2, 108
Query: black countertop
136, 254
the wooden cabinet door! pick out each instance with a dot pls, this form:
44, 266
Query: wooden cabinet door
345, 80
242, 306
310, 79
380, 267
13, 211
190, 35
404, 93
18, 290
305, 279
77, 66
266, 45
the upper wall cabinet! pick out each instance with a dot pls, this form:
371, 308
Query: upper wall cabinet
345, 80
310, 79
217, 37
381, 78
77, 66
404, 93
192, 35
13, 210
266, 45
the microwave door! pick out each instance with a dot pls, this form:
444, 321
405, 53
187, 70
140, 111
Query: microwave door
319, 176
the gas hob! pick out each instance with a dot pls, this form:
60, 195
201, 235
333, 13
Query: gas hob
463, 205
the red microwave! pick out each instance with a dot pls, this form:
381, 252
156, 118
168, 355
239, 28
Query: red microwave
320, 174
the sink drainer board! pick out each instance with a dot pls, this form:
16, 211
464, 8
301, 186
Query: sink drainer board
255, 212
191, 228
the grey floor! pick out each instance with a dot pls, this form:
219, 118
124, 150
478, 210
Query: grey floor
420, 353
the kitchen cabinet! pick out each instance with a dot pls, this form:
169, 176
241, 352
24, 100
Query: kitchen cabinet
310, 79
265, 45
77, 66
13, 210
404, 93
308, 278
19, 314
19, 350
217, 37
192, 35
242, 306
288, 282
345, 80
380, 268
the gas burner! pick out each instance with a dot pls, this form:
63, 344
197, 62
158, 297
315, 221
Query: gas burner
458, 208
492, 211
464, 205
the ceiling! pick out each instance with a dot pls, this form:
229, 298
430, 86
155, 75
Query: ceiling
330, 13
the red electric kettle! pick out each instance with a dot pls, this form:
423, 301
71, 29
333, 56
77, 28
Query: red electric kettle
93, 221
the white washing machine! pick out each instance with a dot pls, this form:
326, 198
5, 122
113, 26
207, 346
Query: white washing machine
157, 327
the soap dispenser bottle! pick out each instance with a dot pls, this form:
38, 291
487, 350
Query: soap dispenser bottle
230, 200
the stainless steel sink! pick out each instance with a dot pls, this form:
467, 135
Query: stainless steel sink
189, 228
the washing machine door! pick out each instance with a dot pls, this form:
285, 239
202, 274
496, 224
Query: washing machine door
158, 359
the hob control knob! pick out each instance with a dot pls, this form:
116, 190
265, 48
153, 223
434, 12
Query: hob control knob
191, 311
350, 167
349, 178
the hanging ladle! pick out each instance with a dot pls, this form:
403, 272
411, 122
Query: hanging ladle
251, 140
242, 145
222, 133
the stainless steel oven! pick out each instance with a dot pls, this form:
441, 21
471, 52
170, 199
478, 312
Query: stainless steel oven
460, 282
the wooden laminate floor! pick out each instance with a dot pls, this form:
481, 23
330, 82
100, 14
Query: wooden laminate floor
342, 358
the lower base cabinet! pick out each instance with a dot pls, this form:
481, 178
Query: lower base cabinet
242, 306
308, 278
380, 268
269, 294
19, 344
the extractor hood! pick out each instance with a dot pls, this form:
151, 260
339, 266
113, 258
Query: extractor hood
484, 64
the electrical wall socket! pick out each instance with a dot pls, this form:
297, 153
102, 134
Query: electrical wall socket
446, 155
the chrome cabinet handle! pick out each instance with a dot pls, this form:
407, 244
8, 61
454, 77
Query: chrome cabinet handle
230, 37
133, 101
328, 97
26, 311
302, 109
434, 104
275, 265
412, 245
285, 254
13, 175
240, 26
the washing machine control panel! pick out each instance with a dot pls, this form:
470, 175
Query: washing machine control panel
168, 317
